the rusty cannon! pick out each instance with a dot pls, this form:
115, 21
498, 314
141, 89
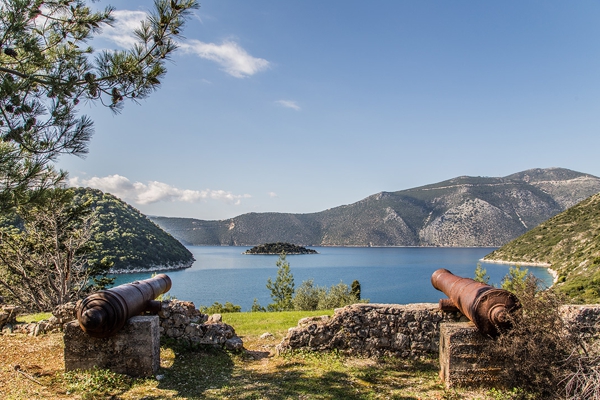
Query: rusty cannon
487, 307
104, 313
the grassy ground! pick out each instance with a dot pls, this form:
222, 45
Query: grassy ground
33, 368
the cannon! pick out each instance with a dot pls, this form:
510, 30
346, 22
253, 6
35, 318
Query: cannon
487, 307
104, 313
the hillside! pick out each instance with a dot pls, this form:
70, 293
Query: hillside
129, 239
570, 242
464, 211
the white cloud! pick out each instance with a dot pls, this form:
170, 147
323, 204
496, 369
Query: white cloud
153, 191
121, 33
272, 194
289, 104
229, 55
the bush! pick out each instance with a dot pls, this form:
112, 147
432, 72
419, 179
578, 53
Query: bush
309, 297
545, 358
218, 308
256, 307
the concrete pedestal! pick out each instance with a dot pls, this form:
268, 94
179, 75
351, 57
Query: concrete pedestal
134, 350
463, 361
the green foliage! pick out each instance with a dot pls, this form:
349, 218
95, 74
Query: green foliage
516, 279
355, 289
481, 274
307, 296
282, 290
310, 297
45, 261
256, 307
218, 308
48, 68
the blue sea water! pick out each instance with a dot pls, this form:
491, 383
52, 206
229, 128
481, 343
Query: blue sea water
386, 274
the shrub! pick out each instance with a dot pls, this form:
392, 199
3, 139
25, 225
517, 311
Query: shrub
546, 359
256, 307
307, 296
218, 308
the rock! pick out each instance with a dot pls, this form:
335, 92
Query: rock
215, 318
267, 335
234, 344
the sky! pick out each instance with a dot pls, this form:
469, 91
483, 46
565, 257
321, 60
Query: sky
300, 106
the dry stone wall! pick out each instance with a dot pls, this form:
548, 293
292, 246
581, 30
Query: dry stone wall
179, 320
406, 331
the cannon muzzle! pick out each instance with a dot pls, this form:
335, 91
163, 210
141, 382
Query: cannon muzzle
104, 313
487, 307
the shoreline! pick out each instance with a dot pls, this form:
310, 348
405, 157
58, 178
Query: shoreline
548, 266
154, 268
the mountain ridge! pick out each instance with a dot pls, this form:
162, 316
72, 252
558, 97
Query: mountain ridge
463, 211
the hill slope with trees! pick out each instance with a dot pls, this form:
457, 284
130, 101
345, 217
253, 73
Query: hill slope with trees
570, 243
125, 236
464, 211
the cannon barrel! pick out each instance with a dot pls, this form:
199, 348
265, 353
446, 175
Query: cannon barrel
104, 313
487, 307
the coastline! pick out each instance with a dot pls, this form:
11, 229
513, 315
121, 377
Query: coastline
548, 266
153, 268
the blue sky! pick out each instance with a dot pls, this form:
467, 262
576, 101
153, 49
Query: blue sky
300, 106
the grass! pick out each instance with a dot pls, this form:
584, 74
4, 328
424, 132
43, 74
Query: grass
211, 373
34, 317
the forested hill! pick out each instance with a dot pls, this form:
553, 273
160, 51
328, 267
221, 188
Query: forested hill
129, 239
570, 242
464, 211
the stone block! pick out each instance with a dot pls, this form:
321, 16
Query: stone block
463, 361
134, 350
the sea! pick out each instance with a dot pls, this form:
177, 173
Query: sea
397, 275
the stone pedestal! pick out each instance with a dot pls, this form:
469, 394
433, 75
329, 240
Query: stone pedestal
463, 361
134, 350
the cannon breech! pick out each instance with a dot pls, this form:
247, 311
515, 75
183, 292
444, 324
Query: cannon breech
104, 313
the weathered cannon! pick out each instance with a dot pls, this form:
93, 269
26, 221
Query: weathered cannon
104, 313
487, 307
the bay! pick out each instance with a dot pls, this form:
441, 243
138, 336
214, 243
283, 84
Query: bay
397, 275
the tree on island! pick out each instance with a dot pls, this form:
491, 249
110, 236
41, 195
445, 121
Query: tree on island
278, 248
46, 70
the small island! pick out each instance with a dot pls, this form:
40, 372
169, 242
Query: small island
278, 248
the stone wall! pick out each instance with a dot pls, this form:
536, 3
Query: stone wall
407, 331
410, 330
179, 320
